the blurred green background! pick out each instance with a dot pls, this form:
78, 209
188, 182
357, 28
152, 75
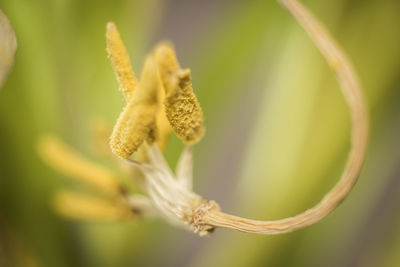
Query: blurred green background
277, 130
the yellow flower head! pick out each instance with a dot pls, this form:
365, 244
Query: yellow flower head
163, 98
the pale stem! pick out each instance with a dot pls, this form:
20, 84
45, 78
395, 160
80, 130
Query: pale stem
352, 92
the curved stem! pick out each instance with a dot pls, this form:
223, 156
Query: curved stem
351, 90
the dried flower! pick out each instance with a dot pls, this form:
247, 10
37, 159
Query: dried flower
162, 99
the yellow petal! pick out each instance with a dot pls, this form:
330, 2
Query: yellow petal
86, 207
167, 63
163, 126
181, 105
137, 121
66, 160
120, 61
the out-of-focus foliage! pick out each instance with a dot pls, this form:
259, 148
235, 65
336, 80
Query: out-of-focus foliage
276, 140
8, 46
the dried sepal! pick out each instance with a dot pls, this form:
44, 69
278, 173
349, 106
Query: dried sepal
8, 47
92, 208
64, 159
137, 121
120, 61
181, 105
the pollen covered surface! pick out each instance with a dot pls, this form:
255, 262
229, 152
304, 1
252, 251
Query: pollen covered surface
181, 105
137, 121
120, 61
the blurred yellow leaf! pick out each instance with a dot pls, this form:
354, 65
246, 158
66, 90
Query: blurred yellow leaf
8, 47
